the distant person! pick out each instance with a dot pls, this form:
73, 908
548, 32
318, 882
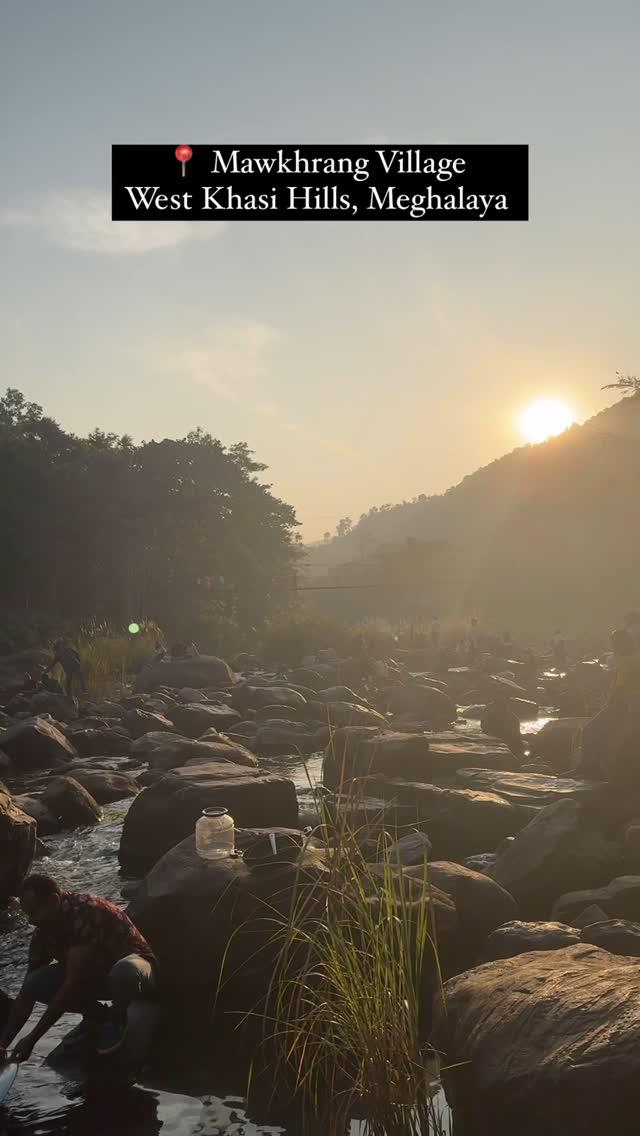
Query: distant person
632, 626
507, 641
435, 632
558, 649
471, 641
68, 657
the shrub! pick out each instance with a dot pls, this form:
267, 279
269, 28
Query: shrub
290, 636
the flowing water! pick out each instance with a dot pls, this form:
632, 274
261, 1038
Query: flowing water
194, 1097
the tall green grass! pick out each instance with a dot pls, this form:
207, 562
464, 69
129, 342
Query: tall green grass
110, 656
345, 1016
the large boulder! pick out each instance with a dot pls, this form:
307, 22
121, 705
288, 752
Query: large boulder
546, 1041
557, 851
619, 899
248, 697
481, 904
413, 757
280, 736
340, 714
535, 790
166, 812
423, 704
104, 785
214, 920
17, 845
70, 803
619, 936
33, 805
168, 751
202, 671
518, 937
555, 742
194, 719
36, 743
101, 742
60, 707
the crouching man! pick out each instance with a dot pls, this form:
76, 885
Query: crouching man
83, 949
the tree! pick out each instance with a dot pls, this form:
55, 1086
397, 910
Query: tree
628, 384
344, 526
326, 537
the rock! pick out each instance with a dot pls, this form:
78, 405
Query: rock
532, 789
524, 709
282, 713
174, 905
192, 720
548, 1040
631, 846
58, 706
590, 915
108, 710
423, 703
620, 899
338, 694
166, 812
340, 714
619, 936
101, 743
481, 904
246, 697
140, 722
460, 822
410, 756
481, 862
200, 671
555, 742
168, 751
410, 850
554, 853
70, 803
36, 744
189, 694
34, 806
283, 737
105, 786
517, 937
17, 845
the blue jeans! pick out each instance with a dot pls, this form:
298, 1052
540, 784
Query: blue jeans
130, 978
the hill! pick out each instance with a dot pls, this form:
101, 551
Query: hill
548, 534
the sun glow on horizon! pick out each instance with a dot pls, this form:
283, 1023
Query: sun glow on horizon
545, 418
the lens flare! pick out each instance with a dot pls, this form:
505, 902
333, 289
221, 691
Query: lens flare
134, 628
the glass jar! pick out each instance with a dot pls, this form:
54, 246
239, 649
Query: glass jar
215, 834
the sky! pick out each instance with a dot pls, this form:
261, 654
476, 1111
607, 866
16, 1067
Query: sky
363, 362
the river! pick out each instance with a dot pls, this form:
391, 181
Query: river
192, 1097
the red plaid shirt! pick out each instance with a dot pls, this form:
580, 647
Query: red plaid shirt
88, 921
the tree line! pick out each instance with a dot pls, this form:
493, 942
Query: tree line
181, 531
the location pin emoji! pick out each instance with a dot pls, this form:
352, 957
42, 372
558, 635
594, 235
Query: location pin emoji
183, 154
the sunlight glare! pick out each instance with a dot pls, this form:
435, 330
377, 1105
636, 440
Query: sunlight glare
544, 419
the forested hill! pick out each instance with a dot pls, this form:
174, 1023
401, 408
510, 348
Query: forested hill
546, 533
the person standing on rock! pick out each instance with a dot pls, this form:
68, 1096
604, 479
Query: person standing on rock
68, 657
435, 632
559, 650
83, 949
471, 641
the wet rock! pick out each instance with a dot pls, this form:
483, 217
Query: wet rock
518, 937
36, 743
283, 737
140, 722
192, 720
168, 751
70, 803
166, 812
105, 786
620, 899
424, 703
556, 852
17, 845
619, 936
548, 1034
34, 806
534, 790
101, 742
481, 905
173, 908
200, 671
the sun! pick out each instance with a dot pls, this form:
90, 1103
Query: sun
545, 418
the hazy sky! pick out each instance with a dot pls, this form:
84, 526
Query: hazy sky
363, 362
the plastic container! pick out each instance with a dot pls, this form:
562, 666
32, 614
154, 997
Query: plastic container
215, 834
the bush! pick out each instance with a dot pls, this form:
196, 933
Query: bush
290, 636
109, 656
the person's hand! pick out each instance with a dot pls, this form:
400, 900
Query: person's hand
22, 1051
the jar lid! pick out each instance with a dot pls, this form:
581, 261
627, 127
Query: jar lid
214, 812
